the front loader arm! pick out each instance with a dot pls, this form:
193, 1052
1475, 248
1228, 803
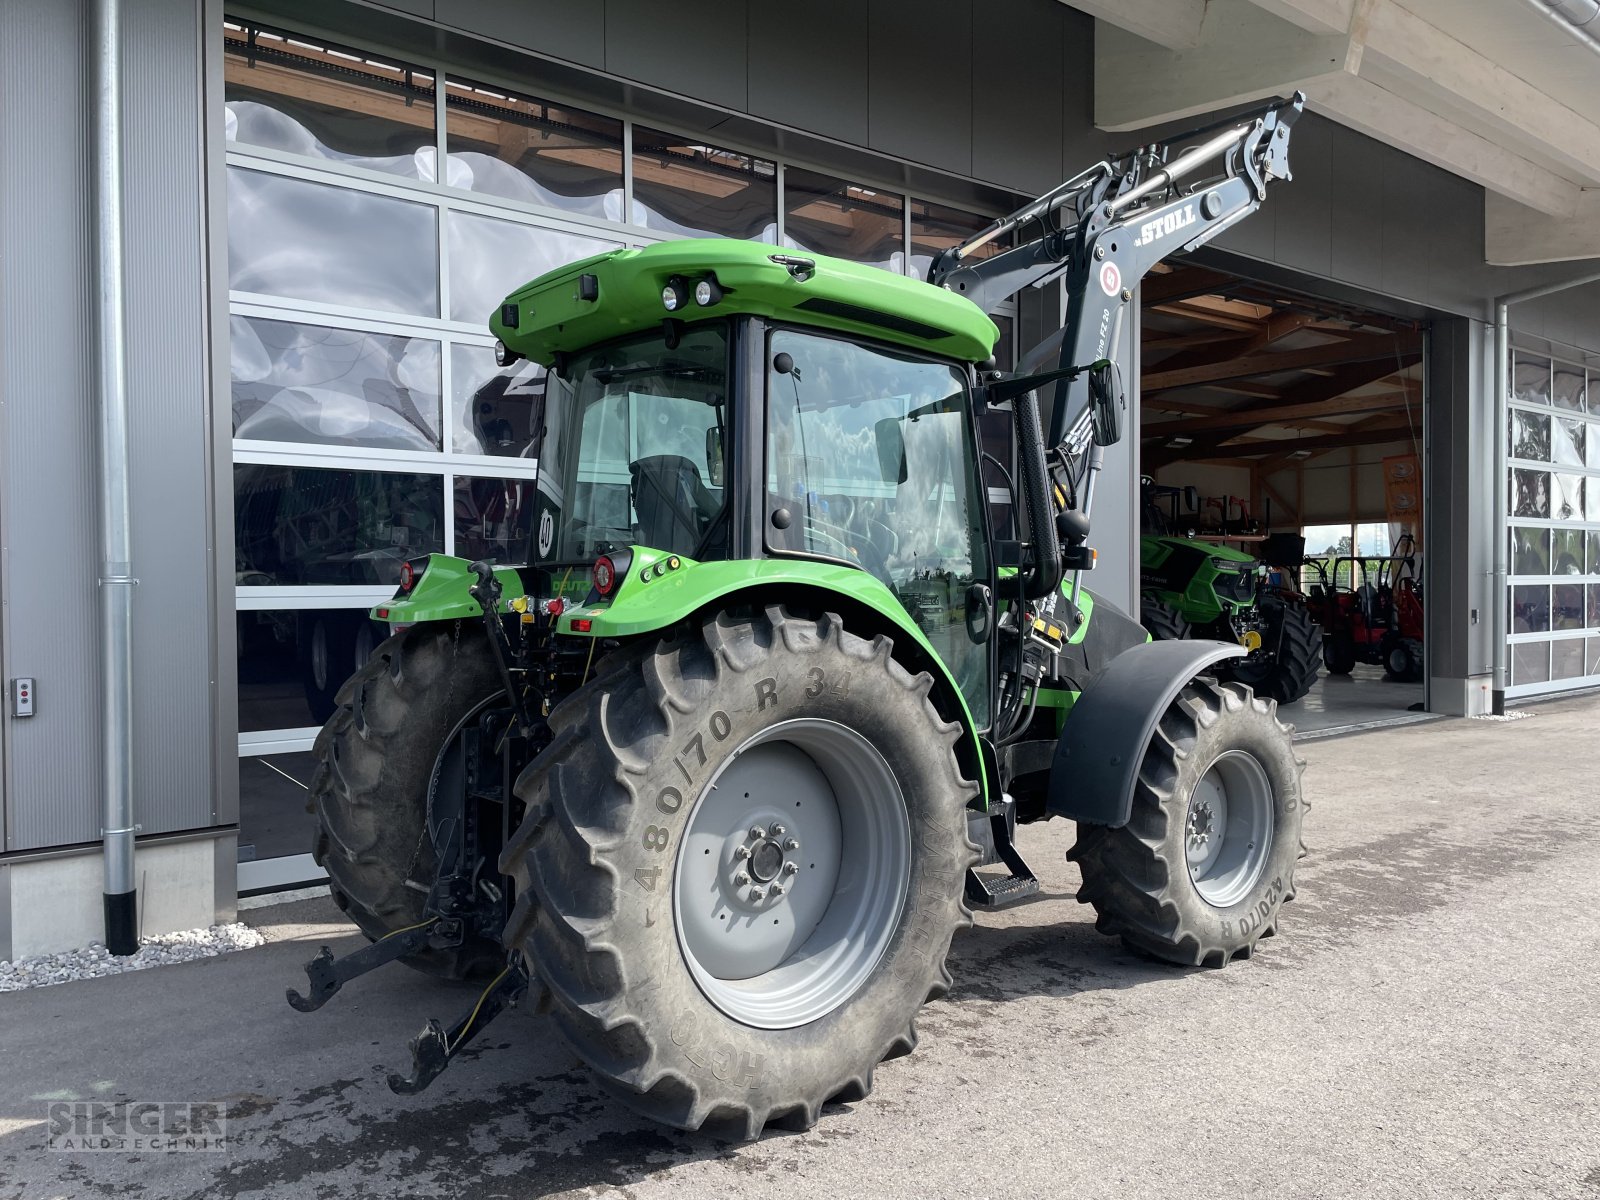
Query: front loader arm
1106, 228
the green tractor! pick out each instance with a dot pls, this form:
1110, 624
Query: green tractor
1199, 588
712, 780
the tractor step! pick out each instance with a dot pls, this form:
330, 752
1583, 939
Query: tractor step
992, 831
997, 891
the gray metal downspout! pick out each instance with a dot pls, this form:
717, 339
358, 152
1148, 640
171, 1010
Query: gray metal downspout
1575, 18
1502, 486
116, 580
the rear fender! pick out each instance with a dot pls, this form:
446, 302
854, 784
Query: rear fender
1103, 742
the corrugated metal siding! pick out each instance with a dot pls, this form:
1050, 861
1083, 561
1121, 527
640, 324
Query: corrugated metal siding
45, 381
167, 317
53, 784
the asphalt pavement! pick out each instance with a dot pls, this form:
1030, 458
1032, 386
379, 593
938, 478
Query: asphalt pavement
1426, 1024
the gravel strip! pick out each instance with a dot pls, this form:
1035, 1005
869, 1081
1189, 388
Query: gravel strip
95, 960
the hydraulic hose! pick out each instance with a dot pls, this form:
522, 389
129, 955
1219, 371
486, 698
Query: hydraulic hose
1044, 576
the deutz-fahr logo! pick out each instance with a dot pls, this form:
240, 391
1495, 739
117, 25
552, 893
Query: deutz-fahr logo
1167, 223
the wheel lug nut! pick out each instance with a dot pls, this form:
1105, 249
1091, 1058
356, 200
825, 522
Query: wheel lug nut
778, 831
741, 879
792, 844
791, 868
777, 889
757, 833
741, 852
757, 894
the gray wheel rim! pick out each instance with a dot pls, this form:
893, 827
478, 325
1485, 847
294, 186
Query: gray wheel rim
1399, 660
1228, 828
792, 874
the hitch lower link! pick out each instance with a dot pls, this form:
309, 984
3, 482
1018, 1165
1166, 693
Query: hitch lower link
435, 1047
328, 974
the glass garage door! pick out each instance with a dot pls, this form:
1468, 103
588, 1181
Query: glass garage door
378, 211
1554, 525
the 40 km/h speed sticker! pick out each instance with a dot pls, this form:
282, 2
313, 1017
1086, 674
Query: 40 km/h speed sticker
547, 532
1110, 279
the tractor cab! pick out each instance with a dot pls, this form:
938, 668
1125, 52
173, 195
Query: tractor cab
760, 406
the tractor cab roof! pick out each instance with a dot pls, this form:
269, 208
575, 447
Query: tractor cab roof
620, 292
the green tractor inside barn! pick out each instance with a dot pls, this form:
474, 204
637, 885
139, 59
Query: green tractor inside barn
714, 778
1201, 587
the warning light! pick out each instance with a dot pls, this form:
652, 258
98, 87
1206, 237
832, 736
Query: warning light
605, 575
383, 614
582, 625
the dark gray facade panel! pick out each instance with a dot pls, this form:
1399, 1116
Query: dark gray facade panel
47, 502
413, 8
1409, 242
1020, 63
168, 395
1566, 318
695, 48
1453, 475
1303, 231
559, 28
1082, 143
920, 80
793, 80
1354, 178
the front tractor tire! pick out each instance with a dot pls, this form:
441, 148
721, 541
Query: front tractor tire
741, 867
377, 758
1207, 858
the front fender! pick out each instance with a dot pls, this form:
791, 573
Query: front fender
1103, 742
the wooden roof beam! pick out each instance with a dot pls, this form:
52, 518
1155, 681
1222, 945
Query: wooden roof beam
1370, 348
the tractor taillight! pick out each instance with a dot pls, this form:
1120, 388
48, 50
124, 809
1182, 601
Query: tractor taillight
605, 575
410, 572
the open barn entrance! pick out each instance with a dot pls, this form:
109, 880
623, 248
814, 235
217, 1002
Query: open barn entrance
1282, 452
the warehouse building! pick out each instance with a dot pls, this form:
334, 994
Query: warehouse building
320, 203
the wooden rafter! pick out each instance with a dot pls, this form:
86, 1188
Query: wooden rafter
1255, 418
1369, 348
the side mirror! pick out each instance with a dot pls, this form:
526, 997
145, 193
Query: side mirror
891, 450
1105, 402
714, 455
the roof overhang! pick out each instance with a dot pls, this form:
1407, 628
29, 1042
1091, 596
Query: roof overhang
1490, 90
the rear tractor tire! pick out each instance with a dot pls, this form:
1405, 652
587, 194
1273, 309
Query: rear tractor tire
1288, 675
1207, 858
1161, 621
741, 866
377, 760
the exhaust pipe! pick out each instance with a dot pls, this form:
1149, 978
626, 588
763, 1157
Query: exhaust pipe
116, 580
